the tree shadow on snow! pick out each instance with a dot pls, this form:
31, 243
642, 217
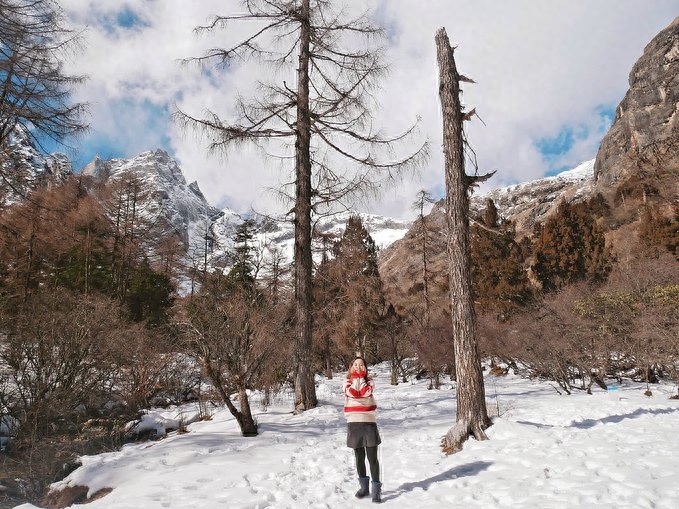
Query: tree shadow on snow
540, 425
589, 423
454, 473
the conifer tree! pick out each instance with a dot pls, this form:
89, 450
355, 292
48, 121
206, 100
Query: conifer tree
149, 295
83, 258
134, 229
58, 237
360, 284
326, 312
232, 328
393, 331
243, 267
657, 230
499, 278
424, 233
36, 92
569, 247
350, 298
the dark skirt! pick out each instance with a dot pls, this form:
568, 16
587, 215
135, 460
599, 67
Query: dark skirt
362, 434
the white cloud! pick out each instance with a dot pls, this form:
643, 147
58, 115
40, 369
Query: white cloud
540, 67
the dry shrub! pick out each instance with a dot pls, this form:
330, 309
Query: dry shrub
72, 495
75, 372
60, 355
577, 337
238, 339
435, 352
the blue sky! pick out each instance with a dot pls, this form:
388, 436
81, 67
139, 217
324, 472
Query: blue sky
148, 117
549, 77
127, 18
554, 148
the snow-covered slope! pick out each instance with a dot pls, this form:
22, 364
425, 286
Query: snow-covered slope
610, 449
203, 227
277, 234
24, 167
529, 202
206, 232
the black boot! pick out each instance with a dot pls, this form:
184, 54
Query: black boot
365, 488
377, 492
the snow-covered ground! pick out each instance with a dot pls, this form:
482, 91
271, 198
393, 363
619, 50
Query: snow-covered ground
614, 449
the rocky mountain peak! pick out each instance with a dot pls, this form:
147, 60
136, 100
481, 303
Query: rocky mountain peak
26, 168
183, 205
644, 136
639, 154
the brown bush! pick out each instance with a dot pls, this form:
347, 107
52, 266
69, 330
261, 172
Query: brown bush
626, 327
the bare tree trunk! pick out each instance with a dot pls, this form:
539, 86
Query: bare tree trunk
328, 359
332, 102
248, 427
29, 264
423, 197
305, 390
425, 274
246, 422
88, 251
472, 415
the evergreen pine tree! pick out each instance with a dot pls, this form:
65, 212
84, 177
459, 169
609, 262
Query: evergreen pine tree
499, 279
350, 297
149, 295
569, 247
243, 268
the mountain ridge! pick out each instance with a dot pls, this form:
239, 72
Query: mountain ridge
202, 226
637, 161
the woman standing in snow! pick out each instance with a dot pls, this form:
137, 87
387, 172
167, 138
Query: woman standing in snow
362, 434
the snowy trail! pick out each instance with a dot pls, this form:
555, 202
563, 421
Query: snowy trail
610, 450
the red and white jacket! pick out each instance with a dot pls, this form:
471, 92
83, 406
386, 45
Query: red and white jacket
359, 404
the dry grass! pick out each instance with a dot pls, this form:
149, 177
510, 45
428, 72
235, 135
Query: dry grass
72, 495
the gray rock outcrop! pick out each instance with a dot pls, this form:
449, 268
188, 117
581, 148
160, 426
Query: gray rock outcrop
644, 136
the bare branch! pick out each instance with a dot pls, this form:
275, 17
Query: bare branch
469, 115
34, 91
328, 113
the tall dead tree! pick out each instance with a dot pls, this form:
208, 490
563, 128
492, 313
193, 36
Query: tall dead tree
472, 415
328, 115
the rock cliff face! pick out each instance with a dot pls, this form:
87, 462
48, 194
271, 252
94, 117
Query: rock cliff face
637, 159
183, 205
524, 204
644, 137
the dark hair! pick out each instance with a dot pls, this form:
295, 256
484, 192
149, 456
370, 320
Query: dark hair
367, 378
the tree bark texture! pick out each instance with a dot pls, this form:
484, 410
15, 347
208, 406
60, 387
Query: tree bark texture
247, 423
472, 415
305, 390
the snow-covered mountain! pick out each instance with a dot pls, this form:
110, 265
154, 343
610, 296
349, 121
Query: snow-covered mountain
530, 202
24, 167
208, 232
205, 231
276, 235
523, 204
181, 204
